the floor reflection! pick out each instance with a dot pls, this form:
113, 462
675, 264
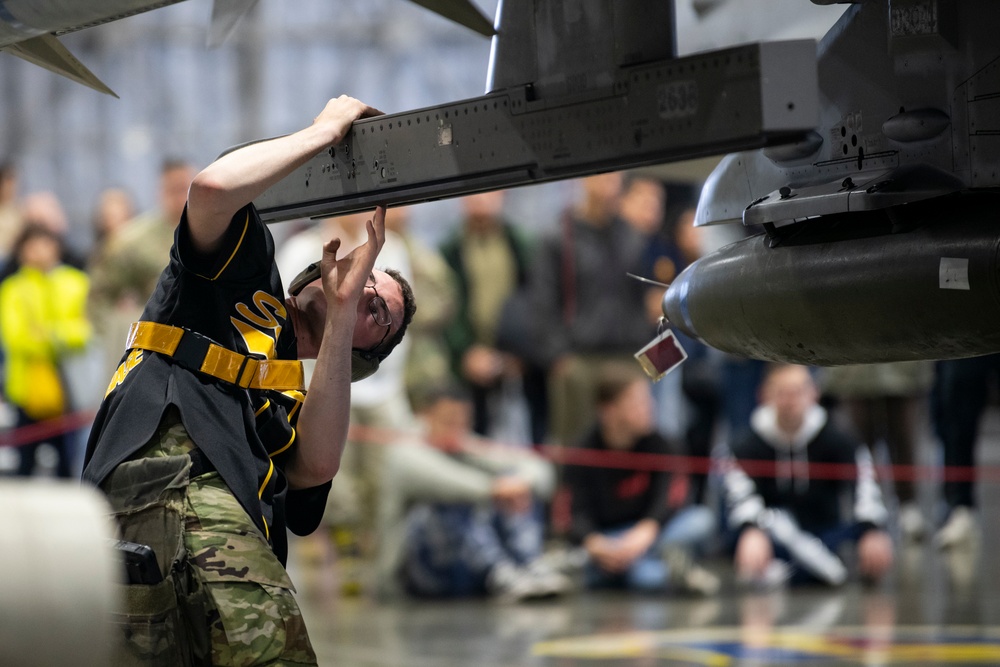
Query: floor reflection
940, 607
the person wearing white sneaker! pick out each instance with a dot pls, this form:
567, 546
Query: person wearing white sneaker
637, 526
777, 511
911, 522
961, 395
961, 530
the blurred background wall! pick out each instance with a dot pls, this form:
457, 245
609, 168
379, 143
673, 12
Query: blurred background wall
284, 60
179, 98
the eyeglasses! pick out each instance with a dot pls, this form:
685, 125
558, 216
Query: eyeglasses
380, 311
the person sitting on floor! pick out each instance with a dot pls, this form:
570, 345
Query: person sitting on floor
459, 516
788, 521
637, 526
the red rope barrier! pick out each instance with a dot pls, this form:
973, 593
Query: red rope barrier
582, 457
759, 468
48, 428
702, 464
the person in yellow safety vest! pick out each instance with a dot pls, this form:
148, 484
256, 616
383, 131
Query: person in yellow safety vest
42, 319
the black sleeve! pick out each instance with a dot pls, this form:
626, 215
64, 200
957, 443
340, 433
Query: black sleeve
276, 429
304, 508
242, 254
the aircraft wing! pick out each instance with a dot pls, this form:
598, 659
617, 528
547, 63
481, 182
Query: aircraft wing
462, 12
48, 52
30, 30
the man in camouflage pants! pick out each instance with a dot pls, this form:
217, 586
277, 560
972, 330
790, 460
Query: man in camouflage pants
206, 444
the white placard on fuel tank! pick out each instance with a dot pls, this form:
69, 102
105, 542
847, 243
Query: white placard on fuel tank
953, 273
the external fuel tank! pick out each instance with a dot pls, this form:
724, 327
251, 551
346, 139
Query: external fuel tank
920, 282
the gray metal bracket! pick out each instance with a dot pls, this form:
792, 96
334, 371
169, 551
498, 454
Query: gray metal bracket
705, 104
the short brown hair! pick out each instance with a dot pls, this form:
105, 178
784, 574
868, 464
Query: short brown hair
409, 309
613, 379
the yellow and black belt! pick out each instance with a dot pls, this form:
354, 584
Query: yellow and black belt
200, 353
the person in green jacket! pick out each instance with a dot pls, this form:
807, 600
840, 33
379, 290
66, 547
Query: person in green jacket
488, 338
42, 319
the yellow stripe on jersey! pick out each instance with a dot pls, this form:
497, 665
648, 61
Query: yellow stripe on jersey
246, 225
287, 445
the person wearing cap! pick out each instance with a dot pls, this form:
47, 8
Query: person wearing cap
206, 443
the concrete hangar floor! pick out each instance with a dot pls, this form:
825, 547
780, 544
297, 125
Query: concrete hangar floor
937, 608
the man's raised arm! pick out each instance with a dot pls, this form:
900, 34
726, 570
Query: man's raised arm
325, 415
239, 177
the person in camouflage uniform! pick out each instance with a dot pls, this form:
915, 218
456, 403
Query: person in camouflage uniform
206, 445
247, 619
137, 254
126, 268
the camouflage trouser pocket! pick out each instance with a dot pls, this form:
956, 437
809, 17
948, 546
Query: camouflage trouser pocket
254, 619
154, 627
149, 629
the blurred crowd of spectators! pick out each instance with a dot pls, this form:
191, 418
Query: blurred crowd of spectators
511, 446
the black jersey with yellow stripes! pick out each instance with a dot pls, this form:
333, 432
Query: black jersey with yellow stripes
233, 296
